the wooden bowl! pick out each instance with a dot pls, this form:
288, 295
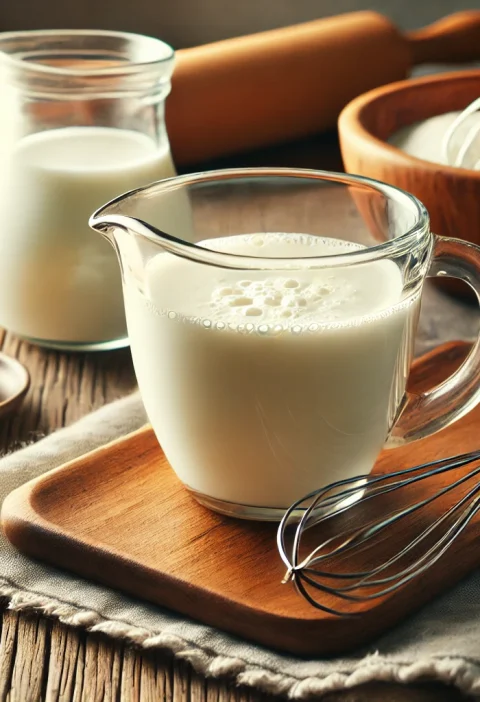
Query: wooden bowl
451, 195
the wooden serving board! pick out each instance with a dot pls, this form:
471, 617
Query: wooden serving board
119, 516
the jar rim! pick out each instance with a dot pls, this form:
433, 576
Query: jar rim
148, 51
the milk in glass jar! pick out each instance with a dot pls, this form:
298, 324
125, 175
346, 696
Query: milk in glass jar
82, 122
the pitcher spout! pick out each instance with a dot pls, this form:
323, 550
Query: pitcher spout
103, 226
108, 224
163, 221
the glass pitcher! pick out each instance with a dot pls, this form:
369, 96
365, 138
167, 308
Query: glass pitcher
272, 333
82, 121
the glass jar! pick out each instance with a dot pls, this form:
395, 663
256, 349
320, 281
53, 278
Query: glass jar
82, 121
272, 342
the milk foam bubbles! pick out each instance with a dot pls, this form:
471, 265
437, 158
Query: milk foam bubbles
297, 295
264, 385
276, 300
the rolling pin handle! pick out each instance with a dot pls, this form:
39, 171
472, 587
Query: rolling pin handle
453, 39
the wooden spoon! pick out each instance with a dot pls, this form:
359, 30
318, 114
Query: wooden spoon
14, 383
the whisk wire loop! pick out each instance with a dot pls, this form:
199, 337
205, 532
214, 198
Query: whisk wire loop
459, 159
316, 574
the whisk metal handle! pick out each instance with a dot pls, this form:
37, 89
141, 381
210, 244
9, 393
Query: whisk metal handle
428, 412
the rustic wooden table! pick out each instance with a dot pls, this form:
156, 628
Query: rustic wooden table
42, 660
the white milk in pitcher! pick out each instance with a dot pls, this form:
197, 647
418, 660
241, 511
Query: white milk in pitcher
262, 386
59, 280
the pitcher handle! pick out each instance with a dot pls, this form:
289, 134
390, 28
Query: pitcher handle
425, 413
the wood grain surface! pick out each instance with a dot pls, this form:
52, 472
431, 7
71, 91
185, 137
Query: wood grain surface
44, 661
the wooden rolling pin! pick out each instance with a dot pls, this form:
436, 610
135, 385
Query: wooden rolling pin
265, 88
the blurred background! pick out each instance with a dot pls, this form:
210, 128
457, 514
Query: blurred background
186, 23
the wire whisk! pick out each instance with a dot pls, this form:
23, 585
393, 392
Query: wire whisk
461, 141
357, 560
